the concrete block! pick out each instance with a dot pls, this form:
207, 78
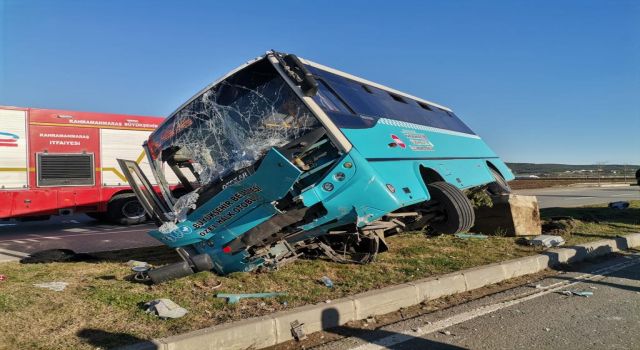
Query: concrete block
253, 333
484, 275
522, 266
385, 300
598, 248
315, 317
560, 255
512, 214
434, 288
147, 345
631, 240
543, 261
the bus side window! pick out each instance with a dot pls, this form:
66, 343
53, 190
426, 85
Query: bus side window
329, 101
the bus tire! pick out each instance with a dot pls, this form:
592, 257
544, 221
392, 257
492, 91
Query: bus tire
125, 209
456, 207
500, 186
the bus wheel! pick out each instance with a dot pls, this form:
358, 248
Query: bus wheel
457, 210
500, 186
125, 209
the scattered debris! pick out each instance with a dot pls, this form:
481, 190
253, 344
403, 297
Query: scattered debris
560, 225
470, 235
55, 286
136, 263
165, 308
547, 329
327, 281
297, 331
539, 286
619, 205
141, 274
585, 294
371, 320
235, 298
3, 278
546, 241
445, 332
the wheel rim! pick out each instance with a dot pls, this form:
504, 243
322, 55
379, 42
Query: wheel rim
133, 210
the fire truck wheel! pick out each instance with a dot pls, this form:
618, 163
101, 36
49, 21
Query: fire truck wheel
500, 186
125, 209
456, 207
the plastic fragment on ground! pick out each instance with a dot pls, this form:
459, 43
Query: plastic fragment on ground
297, 330
235, 298
619, 205
3, 278
165, 308
55, 286
585, 294
470, 235
327, 281
547, 241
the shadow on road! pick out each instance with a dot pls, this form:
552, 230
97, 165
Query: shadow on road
100, 339
158, 255
331, 321
590, 214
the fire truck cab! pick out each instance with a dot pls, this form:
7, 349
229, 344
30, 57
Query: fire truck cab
58, 162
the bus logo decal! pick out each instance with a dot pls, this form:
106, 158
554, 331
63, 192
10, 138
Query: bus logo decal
399, 142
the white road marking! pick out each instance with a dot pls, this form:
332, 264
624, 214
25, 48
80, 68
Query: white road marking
77, 230
408, 335
577, 198
13, 252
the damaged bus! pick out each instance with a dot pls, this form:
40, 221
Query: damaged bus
283, 158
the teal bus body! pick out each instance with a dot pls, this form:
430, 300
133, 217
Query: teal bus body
382, 172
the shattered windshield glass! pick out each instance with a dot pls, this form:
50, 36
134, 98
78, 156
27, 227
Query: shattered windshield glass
232, 124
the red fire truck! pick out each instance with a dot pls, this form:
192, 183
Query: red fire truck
55, 162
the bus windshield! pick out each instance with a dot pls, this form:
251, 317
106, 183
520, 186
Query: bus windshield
232, 124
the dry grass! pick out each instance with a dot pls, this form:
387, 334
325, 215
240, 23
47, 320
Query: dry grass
101, 308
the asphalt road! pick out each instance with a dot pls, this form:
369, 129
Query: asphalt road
579, 196
78, 233
532, 316
84, 235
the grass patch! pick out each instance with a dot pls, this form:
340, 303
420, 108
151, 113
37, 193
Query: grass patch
101, 308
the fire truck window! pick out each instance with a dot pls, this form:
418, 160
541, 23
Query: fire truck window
65, 169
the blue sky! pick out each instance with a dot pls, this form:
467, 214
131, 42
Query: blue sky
540, 81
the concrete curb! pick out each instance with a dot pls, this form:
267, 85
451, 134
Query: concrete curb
269, 330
